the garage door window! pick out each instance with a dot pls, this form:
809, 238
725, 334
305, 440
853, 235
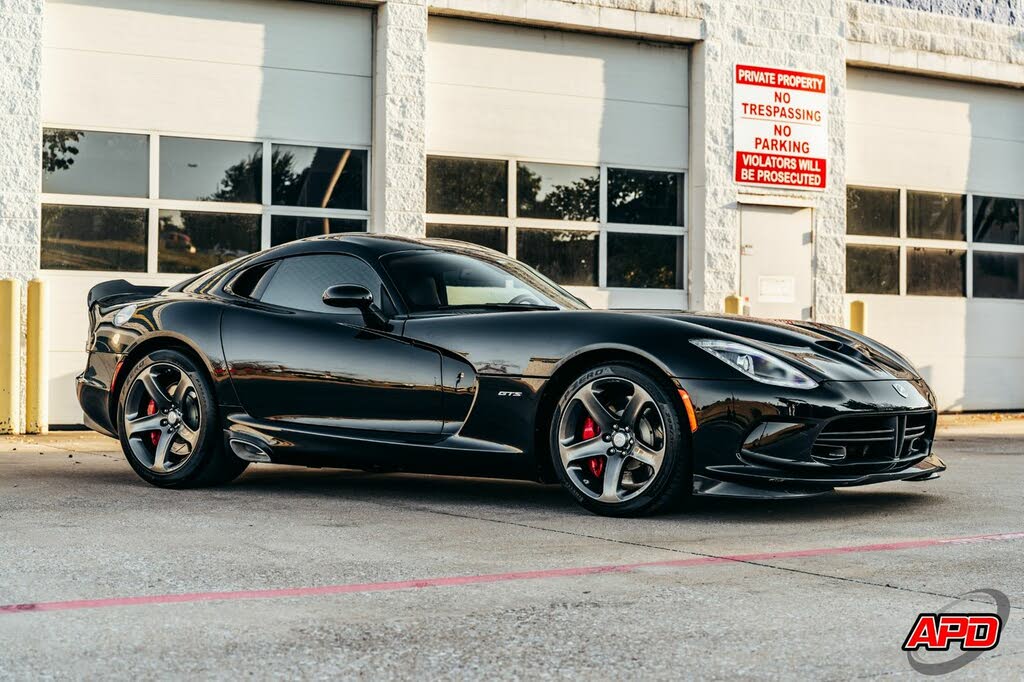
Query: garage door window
933, 250
580, 225
138, 202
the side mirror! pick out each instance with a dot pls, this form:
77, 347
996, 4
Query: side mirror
360, 298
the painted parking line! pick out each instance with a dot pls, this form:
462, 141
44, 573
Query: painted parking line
453, 581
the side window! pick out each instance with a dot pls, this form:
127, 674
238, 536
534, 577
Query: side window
300, 282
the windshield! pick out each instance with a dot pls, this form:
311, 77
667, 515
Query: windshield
439, 280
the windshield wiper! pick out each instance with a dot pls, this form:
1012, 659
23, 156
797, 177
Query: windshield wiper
498, 306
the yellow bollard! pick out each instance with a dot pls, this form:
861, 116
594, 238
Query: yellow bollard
732, 305
36, 361
10, 365
858, 316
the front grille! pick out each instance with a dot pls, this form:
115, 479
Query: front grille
875, 442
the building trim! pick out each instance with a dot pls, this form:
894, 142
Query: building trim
924, 63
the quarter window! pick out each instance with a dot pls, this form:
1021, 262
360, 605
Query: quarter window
300, 282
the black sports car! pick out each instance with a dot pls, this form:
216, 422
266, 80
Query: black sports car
386, 353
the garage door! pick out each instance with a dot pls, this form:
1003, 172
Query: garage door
935, 227
566, 150
180, 134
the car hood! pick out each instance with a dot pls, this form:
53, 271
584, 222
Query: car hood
824, 352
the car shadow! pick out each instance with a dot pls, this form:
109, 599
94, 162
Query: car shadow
461, 495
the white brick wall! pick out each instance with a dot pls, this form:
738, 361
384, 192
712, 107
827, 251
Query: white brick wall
804, 35
20, 62
399, 152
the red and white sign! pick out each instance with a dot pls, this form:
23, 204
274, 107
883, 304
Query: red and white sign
780, 127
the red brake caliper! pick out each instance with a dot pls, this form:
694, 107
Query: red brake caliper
590, 430
154, 436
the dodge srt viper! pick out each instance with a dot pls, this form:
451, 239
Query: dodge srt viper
393, 354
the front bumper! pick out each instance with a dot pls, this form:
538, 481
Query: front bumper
760, 441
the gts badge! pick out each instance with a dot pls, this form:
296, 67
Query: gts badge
510, 394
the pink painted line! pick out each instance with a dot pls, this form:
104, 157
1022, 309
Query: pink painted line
453, 581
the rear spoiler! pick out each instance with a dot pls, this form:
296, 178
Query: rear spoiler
119, 291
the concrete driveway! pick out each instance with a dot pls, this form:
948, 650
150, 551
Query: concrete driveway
326, 574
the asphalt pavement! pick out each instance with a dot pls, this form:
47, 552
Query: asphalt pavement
315, 574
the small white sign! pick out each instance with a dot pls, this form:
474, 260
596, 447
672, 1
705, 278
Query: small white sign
776, 289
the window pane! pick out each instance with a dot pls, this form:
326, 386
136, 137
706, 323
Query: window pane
300, 283
285, 228
324, 177
645, 261
872, 269
935, 272
544, 190
935, 216
86, 162
492, 237
467, 186
998, 275
565, 256
191, 241
998, 221
210, 170
93, 238
645, 197
874, 212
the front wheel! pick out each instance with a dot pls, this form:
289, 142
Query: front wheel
169, 427
617, 443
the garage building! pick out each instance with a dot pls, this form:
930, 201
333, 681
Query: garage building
594, 140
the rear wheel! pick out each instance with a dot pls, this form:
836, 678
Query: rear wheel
169, 426
617, 444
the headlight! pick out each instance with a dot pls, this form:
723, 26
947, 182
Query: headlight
124, 314
756, 364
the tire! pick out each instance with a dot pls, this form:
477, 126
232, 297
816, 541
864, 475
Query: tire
651, 469
169, 392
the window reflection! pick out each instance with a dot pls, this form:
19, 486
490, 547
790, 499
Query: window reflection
998, 221
872, 269
210, 170
545, 190
324, 177
936, 272
932, 215
645, 261
565, 256
874, 212
289, 228
93, 238
87, 162
467, 186
998, 275
192, 241
644, 197
490, 236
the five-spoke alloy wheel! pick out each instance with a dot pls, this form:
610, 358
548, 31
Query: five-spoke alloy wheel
168, 424
616, 442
